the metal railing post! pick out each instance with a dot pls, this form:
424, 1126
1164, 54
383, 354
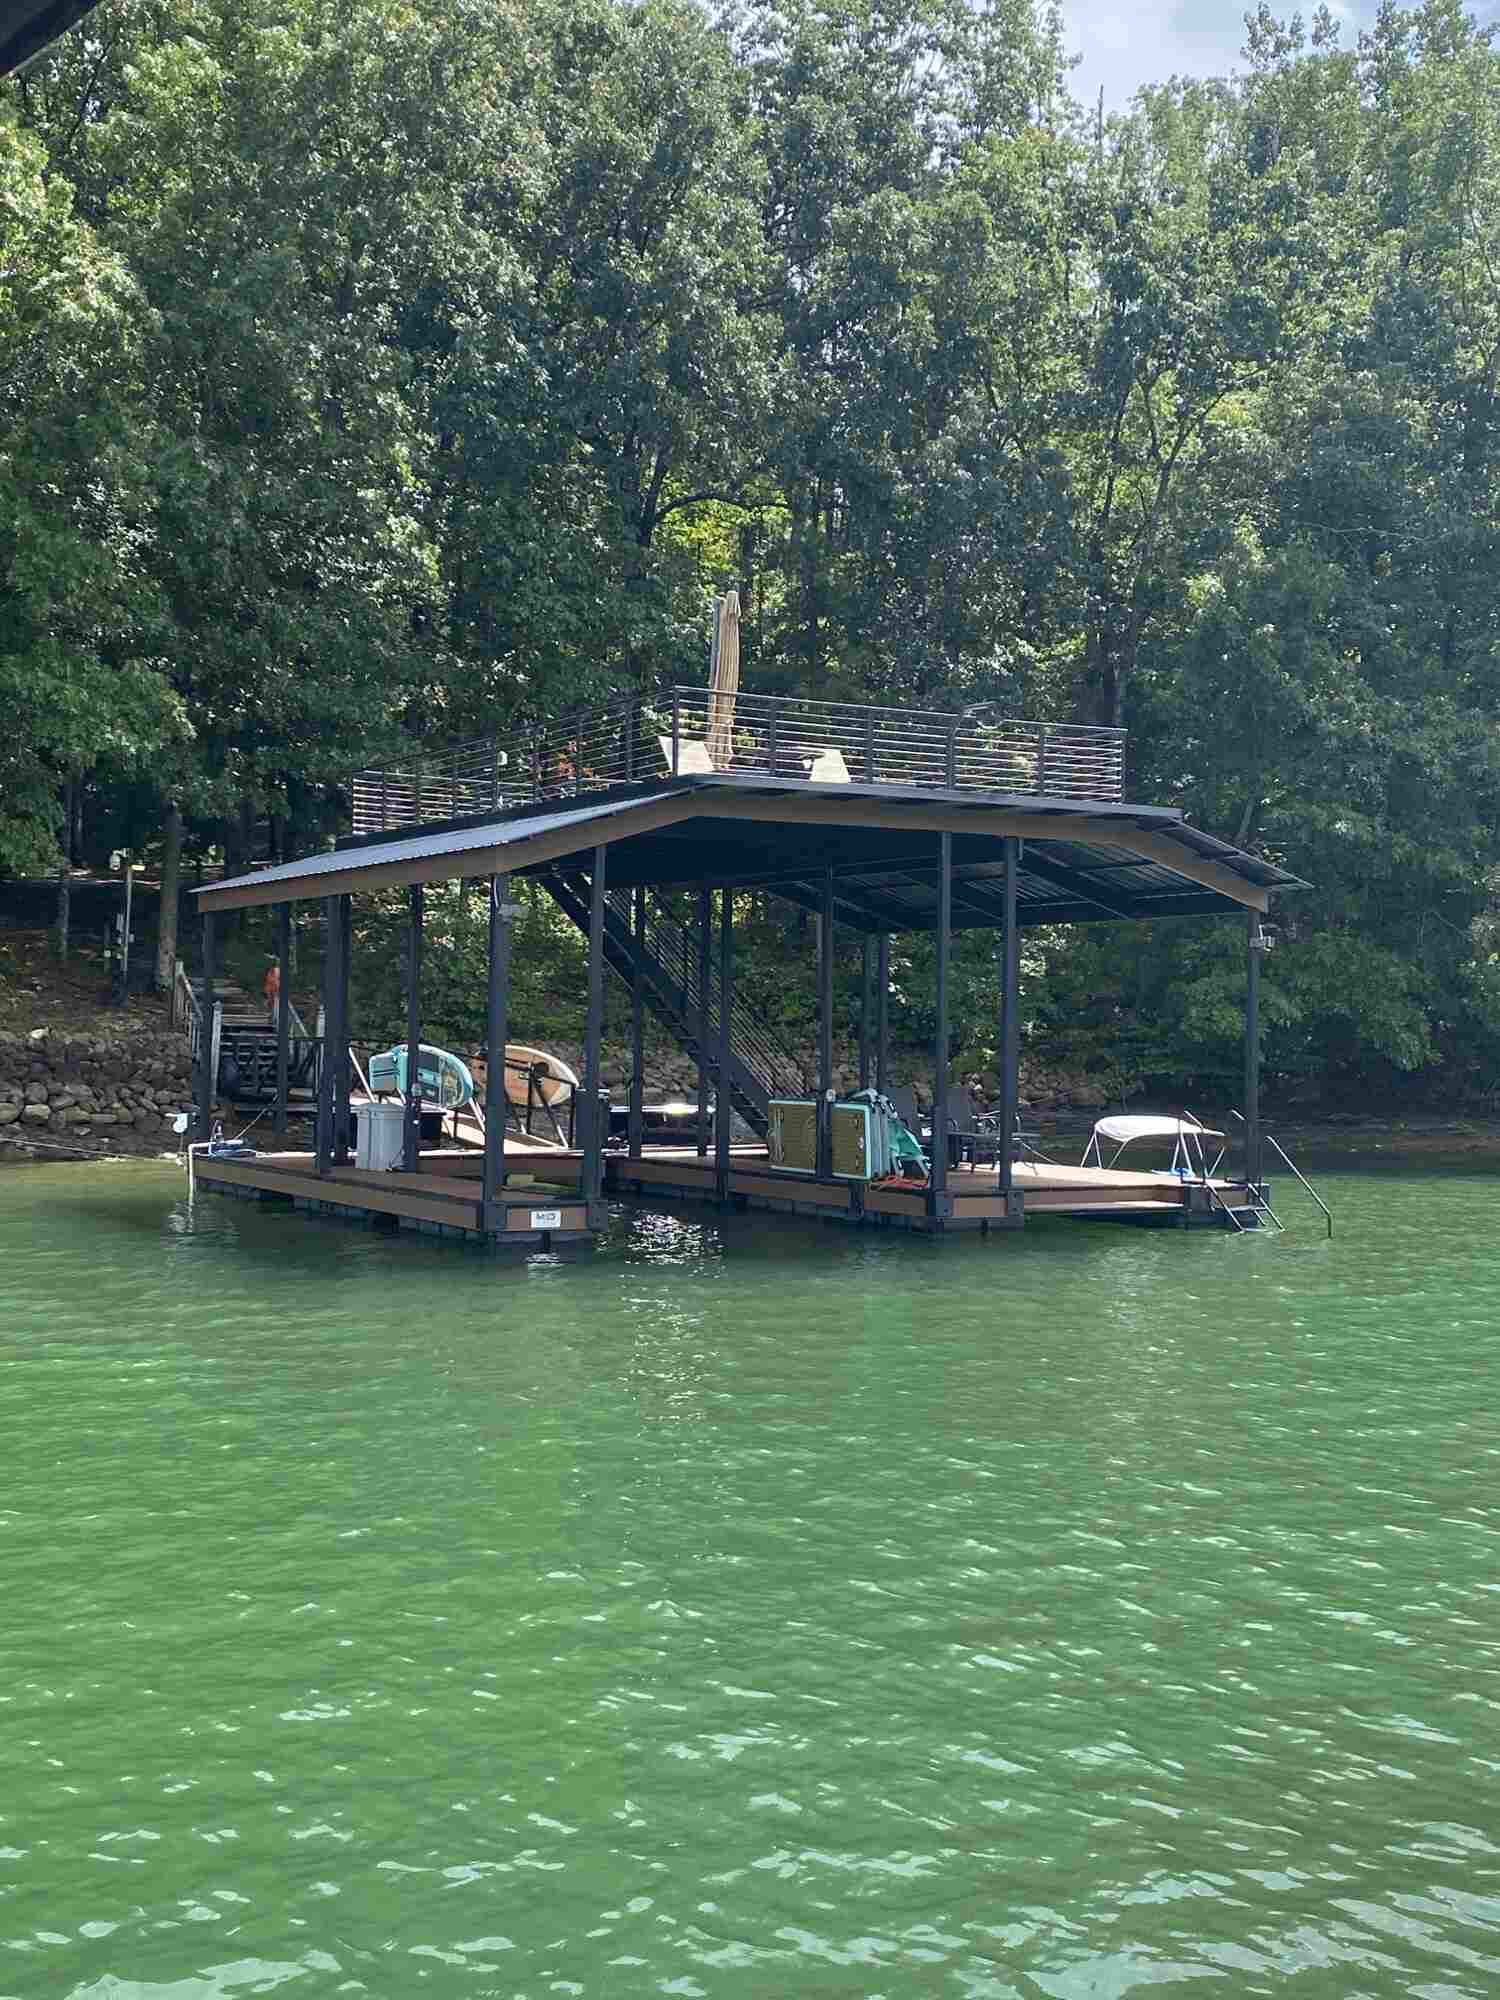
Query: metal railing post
950, 766
676, 729
1040, 784
869, 746
773, 726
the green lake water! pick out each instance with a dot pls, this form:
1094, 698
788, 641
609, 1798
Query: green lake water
747, 1608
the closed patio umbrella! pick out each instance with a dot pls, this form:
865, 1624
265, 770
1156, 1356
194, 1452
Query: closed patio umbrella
724, 681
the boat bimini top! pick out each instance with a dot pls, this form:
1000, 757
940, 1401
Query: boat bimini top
1126, 1128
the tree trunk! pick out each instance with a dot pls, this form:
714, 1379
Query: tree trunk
166, 919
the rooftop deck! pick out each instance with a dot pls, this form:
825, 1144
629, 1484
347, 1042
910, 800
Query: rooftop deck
691, 732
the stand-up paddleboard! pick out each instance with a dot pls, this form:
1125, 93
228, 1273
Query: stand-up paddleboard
535, 1081
443, 1079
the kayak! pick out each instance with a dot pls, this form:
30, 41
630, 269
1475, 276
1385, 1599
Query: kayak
443, 1079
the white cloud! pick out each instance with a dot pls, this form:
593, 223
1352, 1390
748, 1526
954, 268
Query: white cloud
1124, 47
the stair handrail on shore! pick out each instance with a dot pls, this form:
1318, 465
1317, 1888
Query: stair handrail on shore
784, 737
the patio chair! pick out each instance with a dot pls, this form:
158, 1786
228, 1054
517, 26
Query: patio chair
693, 756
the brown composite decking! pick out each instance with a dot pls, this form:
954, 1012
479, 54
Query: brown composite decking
444, 1193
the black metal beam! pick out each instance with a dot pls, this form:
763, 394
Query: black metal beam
723, 1098
1009, 1050
208, 1083
596, 1123
866, 1006
825, 1031
283, 1013
705, 979
937, 1190
1254, 1173
411, 1134
341, 1042
883, 1011
497, 1033
635, 1117
330, 1008
1052, 870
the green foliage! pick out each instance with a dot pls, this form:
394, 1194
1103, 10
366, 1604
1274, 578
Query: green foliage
394, 370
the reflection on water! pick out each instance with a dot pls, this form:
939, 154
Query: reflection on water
745, 1606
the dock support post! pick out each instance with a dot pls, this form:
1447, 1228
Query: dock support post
705, 980
1254, 1164
345, 906
1009, 1050
637, 1102
497, 1029
283, 1013
866, 1002
883, 1012
208, 1083
825, 1031
594, 1122
937, 1189
329, 1026
411, 1134
723, 1102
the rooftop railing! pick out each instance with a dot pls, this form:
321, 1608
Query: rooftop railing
693, 731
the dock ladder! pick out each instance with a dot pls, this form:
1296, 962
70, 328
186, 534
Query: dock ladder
1257, 1196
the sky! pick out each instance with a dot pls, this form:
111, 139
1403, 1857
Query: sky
1124, 46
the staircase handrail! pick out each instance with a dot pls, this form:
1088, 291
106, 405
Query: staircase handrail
184, 1006
755, 1044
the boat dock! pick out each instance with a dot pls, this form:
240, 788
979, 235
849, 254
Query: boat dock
643, 823
543, 1205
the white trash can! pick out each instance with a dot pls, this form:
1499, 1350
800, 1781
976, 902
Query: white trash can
379, 1134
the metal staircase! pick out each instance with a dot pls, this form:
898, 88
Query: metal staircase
760, 1067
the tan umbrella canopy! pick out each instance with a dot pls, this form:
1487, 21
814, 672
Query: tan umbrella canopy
724, 681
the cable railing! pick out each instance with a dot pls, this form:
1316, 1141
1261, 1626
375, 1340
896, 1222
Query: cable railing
698, 732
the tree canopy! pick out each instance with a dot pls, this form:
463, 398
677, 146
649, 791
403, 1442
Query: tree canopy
388, 369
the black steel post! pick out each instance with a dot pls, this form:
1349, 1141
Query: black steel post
324, 1126
283, 1013
411, 1137
595, 1123
341, 1045
866, 1007
883, 1012
497, 1029
1009, 1050
723, 1108
705, 980
1254, 1165
825, 1031
637, 1103
208, 1083
938, 1188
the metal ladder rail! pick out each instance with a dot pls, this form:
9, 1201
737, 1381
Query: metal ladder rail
1295, 1171
1257, 1203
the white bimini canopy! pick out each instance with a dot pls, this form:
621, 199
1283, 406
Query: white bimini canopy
1150, 1125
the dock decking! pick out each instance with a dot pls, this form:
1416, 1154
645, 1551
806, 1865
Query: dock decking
541, 1204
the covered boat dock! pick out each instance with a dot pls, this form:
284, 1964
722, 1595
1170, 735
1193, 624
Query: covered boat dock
876, 854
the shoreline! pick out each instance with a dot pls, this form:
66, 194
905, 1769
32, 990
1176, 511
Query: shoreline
1339, 1140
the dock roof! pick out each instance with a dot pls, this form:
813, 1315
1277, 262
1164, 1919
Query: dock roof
1081, 861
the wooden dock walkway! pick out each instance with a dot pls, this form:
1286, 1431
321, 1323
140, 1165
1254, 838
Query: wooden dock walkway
541, 1205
